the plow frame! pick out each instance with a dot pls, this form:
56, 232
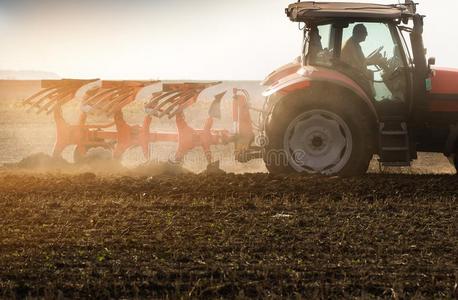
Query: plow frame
110, 97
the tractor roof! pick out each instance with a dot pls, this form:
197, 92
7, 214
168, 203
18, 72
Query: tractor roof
313, 11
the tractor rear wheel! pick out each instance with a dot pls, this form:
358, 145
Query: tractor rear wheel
318, 136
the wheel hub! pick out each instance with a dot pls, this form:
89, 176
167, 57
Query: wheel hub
318, 142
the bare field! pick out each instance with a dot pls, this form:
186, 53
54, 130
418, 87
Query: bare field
257, 235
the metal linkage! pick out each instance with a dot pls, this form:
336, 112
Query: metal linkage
242, 135
243, 125
190, 138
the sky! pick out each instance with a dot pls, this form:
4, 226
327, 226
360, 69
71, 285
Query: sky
173, 39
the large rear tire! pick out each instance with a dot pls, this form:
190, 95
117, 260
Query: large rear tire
319, 135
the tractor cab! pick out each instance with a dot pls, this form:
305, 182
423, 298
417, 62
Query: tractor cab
367, 44
365, 58
370, 49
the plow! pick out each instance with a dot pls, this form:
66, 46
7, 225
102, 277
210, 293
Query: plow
167, 100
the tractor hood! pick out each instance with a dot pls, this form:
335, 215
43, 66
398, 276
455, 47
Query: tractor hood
443, 94
444, 81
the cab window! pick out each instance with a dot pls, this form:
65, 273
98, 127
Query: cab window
321, 43
372, 51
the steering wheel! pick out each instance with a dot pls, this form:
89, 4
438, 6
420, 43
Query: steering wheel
375, 53
394, 73
377, 61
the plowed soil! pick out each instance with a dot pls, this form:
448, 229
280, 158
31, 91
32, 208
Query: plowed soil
225, 235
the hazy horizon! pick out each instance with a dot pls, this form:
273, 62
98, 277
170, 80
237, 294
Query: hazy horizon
173, 39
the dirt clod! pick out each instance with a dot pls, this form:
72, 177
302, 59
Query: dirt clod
155, 169
41, 162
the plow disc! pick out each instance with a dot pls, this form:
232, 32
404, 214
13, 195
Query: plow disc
109, 98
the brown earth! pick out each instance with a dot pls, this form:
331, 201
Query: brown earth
254, 235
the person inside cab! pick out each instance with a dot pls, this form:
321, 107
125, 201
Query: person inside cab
352, 53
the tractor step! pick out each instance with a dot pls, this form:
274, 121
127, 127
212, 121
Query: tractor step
394, 143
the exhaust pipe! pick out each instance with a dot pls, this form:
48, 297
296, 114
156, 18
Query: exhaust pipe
411, 6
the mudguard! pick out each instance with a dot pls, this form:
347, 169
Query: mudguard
305, 76
281, 72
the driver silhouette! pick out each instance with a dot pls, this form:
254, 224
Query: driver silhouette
353, 55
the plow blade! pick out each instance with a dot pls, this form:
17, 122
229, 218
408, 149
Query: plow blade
112, 96
175, 97
54, 93
215, 108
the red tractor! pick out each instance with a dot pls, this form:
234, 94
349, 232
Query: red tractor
362, 86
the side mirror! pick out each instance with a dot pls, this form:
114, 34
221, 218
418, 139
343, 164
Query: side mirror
431, 61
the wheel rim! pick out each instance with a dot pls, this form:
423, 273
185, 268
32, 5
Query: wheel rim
318, 141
